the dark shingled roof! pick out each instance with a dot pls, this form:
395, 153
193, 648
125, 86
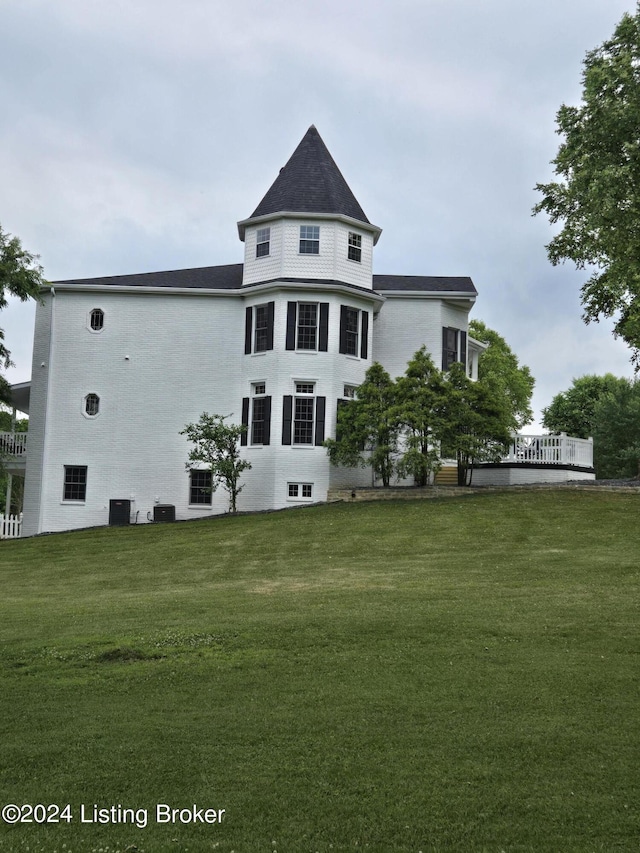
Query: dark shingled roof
310, 183
226, 277
229, 277
424, 283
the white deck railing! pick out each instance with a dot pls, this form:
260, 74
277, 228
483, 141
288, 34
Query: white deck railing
10, 526
13, 443
551, 450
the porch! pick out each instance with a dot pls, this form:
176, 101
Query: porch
539, 459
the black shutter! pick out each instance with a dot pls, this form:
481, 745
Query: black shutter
364, 340
341, 402
321, 405
291, 326
343, 328
323, 337
445, 365
248, 322
287, 413
266, 435
245, 421
463, 349
270, 315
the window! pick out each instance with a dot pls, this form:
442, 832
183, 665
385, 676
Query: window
258, 328
256, 416
302, 491
91, 405
355, 247
257, 420
354, 331
200, 488
308, 326
75, 483
96, 320
351, 323
306, 335
349, 392
261, 343
454, 347
303, 416
309, 239
263, 237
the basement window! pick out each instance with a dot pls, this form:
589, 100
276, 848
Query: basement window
300, 491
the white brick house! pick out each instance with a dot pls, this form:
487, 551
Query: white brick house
122, 363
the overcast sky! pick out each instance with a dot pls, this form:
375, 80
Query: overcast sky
134, 134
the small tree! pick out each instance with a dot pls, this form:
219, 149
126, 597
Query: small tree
217, 446
473, 424
419, 399
573, 411
367, 428
20, 276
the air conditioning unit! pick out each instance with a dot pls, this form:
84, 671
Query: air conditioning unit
164, 512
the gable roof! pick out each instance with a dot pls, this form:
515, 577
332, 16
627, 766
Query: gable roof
310, 182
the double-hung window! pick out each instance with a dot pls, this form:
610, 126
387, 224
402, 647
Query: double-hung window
75, 483
454, 347
303, 416
200, 488
307, 329
354, 252
354, 331
309, 239
258, 328
307, 326
263, 242
256, 416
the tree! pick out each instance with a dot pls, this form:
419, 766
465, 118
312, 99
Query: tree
473, 426
509, 382
17, 487
20, 276
419, 399
367, 427
598, 195
616, 431
573, 411
217, 446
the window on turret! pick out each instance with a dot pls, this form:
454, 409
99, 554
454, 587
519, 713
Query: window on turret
263, 238
355, 247
309, 239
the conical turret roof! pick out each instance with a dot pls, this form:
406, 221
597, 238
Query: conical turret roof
310, 183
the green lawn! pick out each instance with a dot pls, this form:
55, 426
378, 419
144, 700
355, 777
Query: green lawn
447, 675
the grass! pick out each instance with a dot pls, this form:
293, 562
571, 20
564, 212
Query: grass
455, 675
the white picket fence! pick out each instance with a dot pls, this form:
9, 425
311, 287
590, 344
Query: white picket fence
10, 526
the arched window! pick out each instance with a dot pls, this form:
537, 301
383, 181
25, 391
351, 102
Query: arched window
92, 405
97, 319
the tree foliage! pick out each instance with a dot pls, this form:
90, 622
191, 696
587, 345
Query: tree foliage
573, 411
608, 409
217, 445
597, 198
367, 428
419, 402
616, 432
500, 371
473, 424
20, 276
404, 427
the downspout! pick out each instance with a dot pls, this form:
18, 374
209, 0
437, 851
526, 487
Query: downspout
47, 406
